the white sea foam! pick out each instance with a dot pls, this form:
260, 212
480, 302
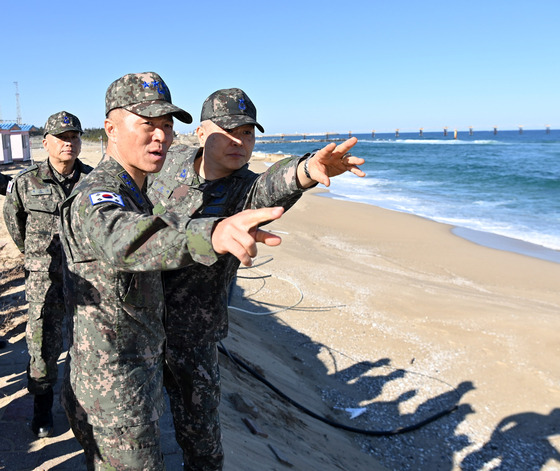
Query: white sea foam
431, 142
506, 184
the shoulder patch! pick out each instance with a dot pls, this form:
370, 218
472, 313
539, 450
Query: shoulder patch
10, 186
28, 169
106, 197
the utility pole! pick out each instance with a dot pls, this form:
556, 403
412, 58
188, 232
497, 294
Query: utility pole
17, 105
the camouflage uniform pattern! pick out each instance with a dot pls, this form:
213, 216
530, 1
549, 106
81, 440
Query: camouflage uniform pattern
61, 122
191, 374
115, 249
196, 298
145, 94
31, 213
230, 108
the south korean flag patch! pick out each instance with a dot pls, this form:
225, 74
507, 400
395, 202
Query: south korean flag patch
106, 197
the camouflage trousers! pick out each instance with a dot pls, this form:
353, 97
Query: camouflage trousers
129, 448
45, 330
192, 380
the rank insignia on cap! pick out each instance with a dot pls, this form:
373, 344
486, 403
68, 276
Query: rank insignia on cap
66, 120
160, 87
242, 105
106, 197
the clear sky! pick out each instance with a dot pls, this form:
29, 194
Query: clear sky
309, 66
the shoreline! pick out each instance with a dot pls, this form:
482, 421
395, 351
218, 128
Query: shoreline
483, 238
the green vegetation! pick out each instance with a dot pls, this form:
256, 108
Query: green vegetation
94, 134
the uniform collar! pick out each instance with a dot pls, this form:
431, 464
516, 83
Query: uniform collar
126, 181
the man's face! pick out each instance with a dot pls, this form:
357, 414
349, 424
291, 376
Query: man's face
142, 142
63, 148
226, 150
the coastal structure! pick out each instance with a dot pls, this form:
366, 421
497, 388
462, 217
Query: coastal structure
15, 142
331, 136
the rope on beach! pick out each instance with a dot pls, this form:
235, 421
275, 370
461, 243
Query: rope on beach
372, 433
283, 308
240, 363
261, 277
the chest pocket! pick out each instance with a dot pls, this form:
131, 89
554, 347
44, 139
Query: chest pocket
215, 201
42, 200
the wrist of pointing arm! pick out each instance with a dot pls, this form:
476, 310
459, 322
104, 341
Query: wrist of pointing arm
303, 175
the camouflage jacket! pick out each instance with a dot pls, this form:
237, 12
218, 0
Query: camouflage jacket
196, 297
31, 213
116, 248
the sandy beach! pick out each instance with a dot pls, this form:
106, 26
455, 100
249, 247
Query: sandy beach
394, 319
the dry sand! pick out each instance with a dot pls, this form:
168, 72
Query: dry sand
397, 319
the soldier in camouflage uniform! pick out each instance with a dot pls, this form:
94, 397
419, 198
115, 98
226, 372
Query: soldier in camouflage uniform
213, 181
31, 212
116, 248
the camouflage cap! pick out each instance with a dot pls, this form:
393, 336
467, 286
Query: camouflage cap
145, 94
61, 122
230, 108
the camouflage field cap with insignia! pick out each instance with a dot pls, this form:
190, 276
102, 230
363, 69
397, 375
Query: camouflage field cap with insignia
230, 108
61, 122
145, 94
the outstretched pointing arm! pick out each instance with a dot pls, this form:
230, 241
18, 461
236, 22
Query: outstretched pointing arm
330, 161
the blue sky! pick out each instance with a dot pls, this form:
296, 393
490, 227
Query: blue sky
309, 66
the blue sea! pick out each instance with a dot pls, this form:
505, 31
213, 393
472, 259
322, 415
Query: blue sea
498, 189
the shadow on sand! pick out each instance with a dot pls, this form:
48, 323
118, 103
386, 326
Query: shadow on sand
381, 399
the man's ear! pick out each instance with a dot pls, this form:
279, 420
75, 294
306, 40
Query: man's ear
201, 133
46, 144
110, 129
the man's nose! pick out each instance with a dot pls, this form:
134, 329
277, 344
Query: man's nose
160, 135
236, 141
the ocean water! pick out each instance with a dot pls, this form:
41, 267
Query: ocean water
500, 190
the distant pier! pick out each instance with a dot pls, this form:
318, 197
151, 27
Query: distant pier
332, 136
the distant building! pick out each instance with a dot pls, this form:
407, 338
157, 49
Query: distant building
15, 142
